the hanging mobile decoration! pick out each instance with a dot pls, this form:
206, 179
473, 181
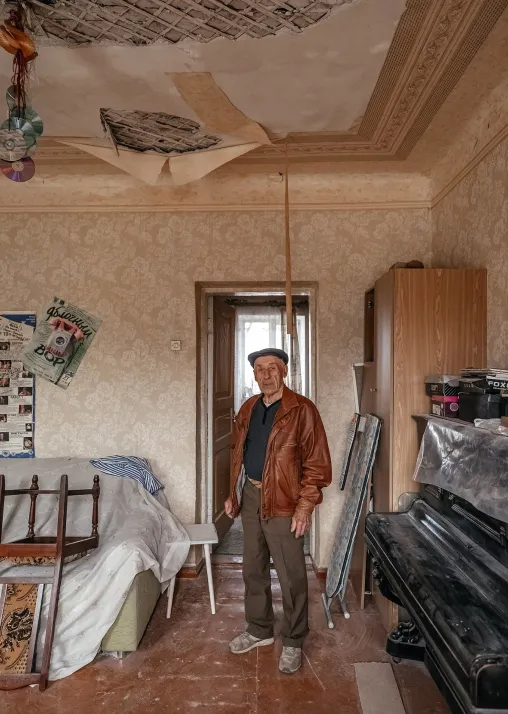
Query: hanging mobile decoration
18, 171
20, 131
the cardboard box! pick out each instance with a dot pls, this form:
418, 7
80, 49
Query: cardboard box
445, 406
473, 385
496, 384
442, 385
479, 406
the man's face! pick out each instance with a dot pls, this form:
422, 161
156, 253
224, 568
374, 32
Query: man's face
269, 373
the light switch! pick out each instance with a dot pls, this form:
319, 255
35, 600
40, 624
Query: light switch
176, 345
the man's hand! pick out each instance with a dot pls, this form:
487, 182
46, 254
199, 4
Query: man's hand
300, 524
228, 507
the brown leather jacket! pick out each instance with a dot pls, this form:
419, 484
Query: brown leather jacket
297, 464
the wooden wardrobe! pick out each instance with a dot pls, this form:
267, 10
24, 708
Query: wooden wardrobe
417, 322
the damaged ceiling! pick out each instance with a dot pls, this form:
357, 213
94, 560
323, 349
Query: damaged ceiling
342, 79
145, 22
318, 79
155, 131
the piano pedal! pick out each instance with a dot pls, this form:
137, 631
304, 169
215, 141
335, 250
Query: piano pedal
406, 642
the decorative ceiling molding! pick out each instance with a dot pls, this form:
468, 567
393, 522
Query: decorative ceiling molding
90, 188
217, 207
434, 43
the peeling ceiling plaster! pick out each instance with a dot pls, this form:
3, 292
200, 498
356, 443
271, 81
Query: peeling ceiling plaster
144, 22
318, 80
155, 131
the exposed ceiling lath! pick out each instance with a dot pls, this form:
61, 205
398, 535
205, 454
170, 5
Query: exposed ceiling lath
145, 22
156, 131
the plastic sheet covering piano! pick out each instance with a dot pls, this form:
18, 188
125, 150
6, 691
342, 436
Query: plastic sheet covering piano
468, 462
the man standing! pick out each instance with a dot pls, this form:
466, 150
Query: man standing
280, 463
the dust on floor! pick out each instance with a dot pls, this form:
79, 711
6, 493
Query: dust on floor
183, 665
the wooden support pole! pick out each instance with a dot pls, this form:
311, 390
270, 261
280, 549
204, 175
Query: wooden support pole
289, 298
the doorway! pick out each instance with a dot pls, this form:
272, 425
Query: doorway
234, 320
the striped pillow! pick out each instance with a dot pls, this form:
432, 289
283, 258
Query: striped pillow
129, 467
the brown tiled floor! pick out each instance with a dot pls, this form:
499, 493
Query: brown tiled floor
183, 666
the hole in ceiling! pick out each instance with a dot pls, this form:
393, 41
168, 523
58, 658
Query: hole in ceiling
145, 22
155, 131
284, 11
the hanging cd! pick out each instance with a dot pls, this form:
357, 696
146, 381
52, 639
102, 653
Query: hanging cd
29, 116
19, 171
22, 125
12, 145
31, 149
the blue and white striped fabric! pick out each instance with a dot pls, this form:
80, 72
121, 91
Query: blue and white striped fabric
129, 467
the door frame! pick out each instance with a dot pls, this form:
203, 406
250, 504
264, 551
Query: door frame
205, 291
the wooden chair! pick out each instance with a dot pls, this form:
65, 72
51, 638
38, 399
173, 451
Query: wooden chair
41, 551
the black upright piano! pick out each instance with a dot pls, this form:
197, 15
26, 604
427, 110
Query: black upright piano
445, 561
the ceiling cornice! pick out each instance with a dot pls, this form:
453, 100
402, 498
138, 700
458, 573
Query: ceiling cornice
218, 208
433, 44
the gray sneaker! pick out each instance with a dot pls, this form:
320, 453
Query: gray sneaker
246, 642
290, 660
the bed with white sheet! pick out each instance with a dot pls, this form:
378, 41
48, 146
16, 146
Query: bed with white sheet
138, 533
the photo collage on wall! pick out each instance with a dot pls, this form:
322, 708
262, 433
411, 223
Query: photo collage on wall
17, 387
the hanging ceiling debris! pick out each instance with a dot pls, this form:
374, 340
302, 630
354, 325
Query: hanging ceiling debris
146, 22
155, 131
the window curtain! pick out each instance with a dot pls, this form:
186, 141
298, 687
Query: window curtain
262, 326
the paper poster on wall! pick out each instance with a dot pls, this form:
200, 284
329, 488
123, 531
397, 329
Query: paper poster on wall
17, 387
61, 339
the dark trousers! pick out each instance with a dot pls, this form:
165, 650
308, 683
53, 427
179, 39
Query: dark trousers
262, 538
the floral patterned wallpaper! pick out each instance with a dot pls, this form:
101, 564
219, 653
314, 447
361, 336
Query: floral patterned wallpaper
470, 230
132, 395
